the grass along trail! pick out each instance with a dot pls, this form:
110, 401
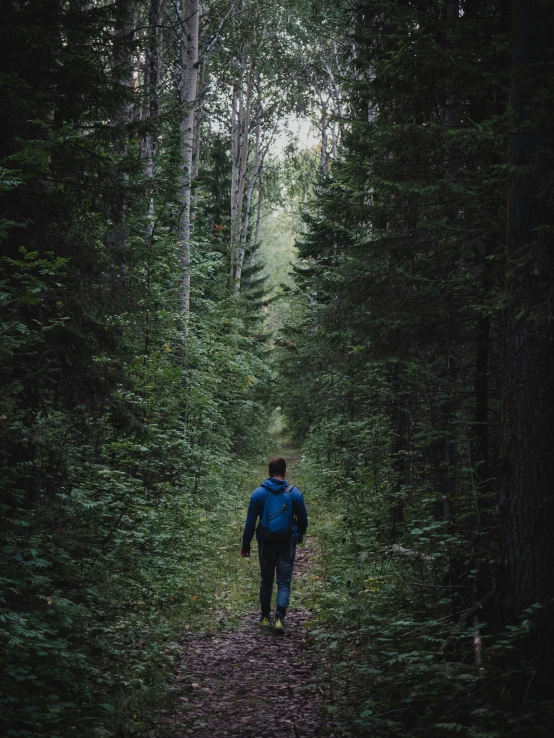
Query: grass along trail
236, 678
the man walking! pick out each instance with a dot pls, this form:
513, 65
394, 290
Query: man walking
283, 521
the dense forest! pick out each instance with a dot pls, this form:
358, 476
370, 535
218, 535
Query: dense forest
160, 336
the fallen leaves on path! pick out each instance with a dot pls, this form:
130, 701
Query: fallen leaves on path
251, 682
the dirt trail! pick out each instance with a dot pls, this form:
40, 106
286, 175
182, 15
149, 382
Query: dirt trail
250, 682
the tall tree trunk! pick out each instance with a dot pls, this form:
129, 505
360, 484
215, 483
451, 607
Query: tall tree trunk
527, 491
197, 140
259, 203
152, 65
152, 69
240, 126
189, 82
252, 180
324, 157
335, 91
198, 118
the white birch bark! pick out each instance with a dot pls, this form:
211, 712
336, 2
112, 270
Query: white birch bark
152, 70
256, 236
240, 128
323, 124
252, 180
198, 118
189, 82
324, 157
335, 91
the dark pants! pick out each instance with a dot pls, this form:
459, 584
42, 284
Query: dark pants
276, 557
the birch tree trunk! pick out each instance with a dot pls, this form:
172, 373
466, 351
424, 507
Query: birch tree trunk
198, 118
240, 125
152, 66
324, 158
256, 166
197, 139
259, 202
336, 98
151, 74
189, 81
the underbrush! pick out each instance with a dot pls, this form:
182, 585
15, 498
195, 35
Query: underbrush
407, 656
120, 534
94, 655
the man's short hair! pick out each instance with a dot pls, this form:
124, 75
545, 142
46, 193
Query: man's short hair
277, 467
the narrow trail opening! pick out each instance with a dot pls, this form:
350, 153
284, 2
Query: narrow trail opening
247, 680
251, 682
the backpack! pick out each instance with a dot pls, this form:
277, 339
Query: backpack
276, 520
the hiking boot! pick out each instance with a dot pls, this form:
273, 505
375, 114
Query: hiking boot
264, 620
278, 626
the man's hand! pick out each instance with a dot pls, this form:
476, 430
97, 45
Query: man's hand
245, 552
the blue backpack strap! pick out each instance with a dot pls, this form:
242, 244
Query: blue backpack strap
288, 488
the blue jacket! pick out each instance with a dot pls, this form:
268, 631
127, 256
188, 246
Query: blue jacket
256, 509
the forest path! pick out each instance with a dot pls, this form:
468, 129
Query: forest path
249, 682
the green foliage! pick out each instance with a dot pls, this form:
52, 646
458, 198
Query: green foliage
124, 423
383, 616
117, 437
391, 371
